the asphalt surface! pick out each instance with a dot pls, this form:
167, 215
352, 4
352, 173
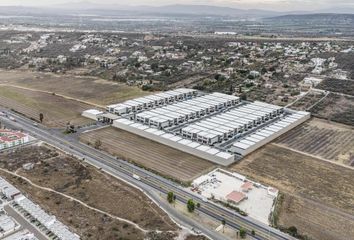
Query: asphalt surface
150, 183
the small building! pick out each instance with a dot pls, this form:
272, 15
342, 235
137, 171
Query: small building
92, 114
6, 223
8, 190
235, 197
28, 166
310, 82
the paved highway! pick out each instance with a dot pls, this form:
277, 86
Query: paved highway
150, 183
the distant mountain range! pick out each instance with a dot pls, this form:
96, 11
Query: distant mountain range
177, 9
320, 18
87, 7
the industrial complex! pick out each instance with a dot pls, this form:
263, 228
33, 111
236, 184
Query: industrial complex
218, 127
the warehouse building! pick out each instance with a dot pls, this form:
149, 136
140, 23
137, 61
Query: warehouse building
185, 111
156, 100
177, 142
231, 123
93, 114
251, 142
215, 126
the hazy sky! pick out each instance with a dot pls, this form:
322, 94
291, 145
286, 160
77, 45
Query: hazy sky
287, 5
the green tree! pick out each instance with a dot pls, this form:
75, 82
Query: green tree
190, 205
223, 222
41, 117
170, 197
242, 233
253, 233
98, 144
292, 231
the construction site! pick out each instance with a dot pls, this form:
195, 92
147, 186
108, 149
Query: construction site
217, 127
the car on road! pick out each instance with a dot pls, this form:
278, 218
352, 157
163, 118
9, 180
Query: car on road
136, 177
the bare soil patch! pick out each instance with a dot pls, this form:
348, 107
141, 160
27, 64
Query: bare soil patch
68, 175
152, 155
321, 185
85, 88
334, 142
336, 107
57, 111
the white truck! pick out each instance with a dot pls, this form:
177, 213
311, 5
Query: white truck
12, 119
137, 177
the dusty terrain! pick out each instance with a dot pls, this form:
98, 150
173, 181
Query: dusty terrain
83, 182
336, 107
57, 110
85, 88
324, 191
152, 155
331, 141
308, 101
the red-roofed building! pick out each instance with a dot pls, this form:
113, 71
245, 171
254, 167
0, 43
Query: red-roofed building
10, 138
247, 186
235, 197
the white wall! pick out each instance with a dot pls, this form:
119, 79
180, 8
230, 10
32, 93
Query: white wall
181, 147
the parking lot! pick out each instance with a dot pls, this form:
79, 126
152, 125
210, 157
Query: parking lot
254, 199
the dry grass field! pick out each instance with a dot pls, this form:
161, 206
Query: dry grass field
315, 220
57, 110
336, 108
331, 141
69, 176
325, 190
85, 88
307, 101
152, 155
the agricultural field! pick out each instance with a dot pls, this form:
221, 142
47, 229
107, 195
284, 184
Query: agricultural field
311, 217
99, 190
57, 111
157, 157
331, 141
337, 108
85, 88
324, 188
337, 85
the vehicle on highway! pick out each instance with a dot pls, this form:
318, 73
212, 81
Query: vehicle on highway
137, 177
12, 119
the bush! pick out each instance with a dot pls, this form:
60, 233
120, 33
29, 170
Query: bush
190, 205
